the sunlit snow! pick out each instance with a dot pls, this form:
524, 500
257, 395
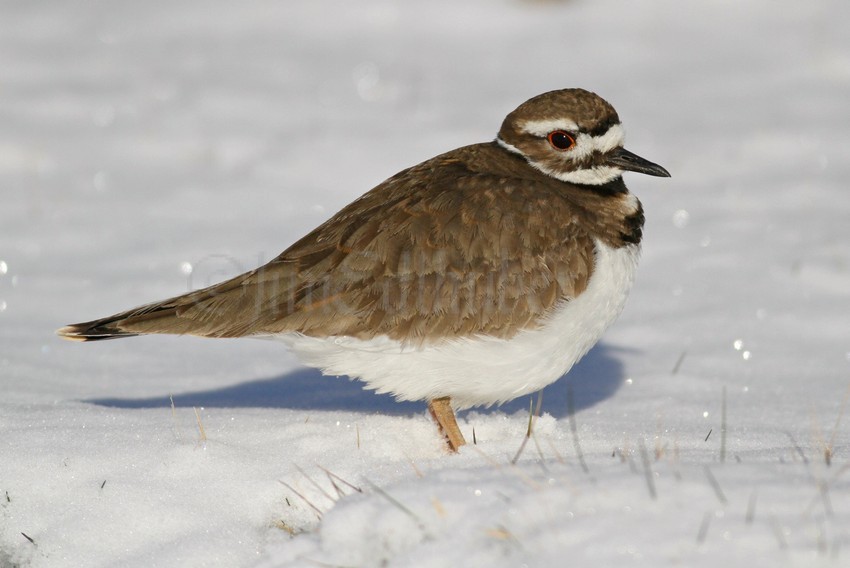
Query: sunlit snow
147, 148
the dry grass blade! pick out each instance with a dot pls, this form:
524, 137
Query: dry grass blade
797, 447
312, 482
823, 497
200, 425
312, 506
174, 418
339, 492
399, 505
677, 470
817, 433
828, 451
415, 468
520, 450
539, 451
555, 451
571, 411
715, 485
532, 414
659, 427
502, 533
679, 361
723, 427
515, 470
489, 459
647, 470
438, 507
779, 533
820, 537
524, 438
282, 525
823, 491
630, 459
751, 508
337, 477
536, 413
703, 527
838, 474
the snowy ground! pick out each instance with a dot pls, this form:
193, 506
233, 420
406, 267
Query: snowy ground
151, 147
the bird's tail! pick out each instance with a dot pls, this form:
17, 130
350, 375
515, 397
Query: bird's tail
115, 326
227, 309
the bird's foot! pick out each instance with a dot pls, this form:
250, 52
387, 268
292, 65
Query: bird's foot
444, 416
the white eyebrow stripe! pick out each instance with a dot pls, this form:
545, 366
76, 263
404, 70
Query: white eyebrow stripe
586, 144
599, 175
544, 127
613, 138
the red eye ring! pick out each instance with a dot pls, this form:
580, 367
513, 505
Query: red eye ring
561, 140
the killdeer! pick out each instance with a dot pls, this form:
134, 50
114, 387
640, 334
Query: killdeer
475, 277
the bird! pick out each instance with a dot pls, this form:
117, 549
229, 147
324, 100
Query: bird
473, 278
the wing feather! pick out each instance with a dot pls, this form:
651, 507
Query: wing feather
440, 250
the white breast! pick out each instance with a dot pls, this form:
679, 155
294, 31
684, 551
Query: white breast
483, 370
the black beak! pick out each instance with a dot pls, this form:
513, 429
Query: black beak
622, 158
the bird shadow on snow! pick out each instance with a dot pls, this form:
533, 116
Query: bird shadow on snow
595, 378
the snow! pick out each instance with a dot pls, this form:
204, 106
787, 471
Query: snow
148, 148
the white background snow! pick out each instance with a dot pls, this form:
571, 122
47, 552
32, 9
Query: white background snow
151, 147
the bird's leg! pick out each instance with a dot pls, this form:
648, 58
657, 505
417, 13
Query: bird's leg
444, 416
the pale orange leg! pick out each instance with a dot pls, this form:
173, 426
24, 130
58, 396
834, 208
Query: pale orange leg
444, 416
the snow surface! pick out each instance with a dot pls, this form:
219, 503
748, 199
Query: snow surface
151, 147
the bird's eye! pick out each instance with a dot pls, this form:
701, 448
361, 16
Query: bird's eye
561, 140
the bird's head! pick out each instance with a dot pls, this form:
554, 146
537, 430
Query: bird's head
572, 135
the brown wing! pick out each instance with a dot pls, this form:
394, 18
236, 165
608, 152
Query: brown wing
439, 250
